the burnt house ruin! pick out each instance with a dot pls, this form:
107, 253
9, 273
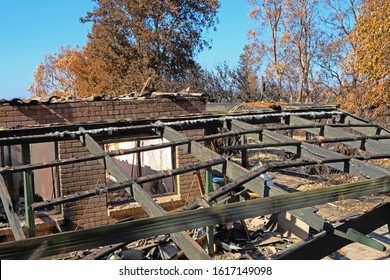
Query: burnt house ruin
98, 175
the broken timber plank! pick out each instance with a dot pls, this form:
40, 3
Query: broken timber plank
192, 249
144, 228
13, 219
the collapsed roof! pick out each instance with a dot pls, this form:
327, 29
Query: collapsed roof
300, 136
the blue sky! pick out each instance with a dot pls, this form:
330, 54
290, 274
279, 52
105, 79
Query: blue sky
31, 29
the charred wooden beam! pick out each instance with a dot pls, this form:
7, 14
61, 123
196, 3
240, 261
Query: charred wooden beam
261, 146
175, 222
232, 186
39, 134
298, 143
14, 137
22, 168
277, 166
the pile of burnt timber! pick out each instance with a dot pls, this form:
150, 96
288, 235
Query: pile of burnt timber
231, 217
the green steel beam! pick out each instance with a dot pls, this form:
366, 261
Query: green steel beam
12, 217
324, 243
369, 131
202, 153
175, 222
372, 146
191, 249
28, 183
234, 171
209, 188
309, 151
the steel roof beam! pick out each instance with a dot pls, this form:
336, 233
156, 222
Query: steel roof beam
309, 151
235, 171
134, 230
140, 180
314, 249
331, 132
191, 249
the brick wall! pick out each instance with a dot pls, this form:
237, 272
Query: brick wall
89, 212
92, 211
84, 111
43, 226
188, 185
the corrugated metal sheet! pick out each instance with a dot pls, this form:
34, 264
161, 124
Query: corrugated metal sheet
65, 99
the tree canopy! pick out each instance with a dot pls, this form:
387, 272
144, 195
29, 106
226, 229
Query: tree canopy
372, 52
300, 51
132, 40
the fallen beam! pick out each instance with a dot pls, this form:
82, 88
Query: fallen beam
176, 222
12, 217
316, 249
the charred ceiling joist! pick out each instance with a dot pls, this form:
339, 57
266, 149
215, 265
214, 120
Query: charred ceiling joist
246, 131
